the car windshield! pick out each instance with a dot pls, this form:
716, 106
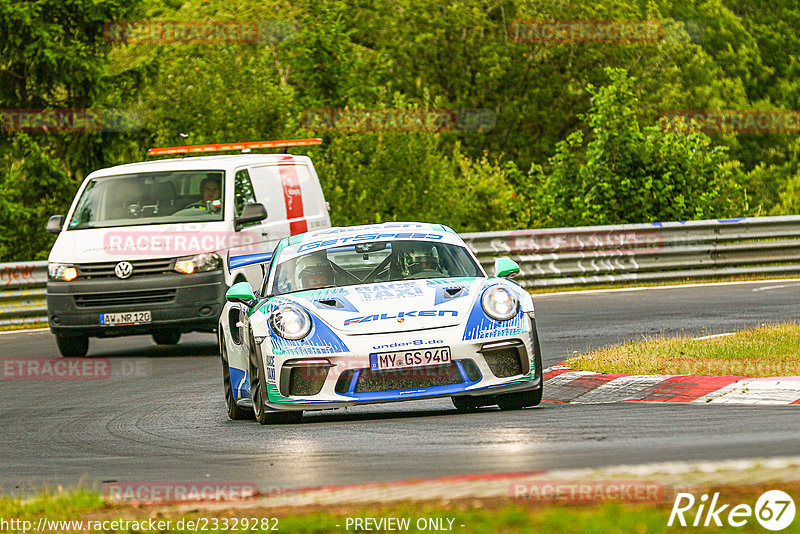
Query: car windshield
378, 261
150, 198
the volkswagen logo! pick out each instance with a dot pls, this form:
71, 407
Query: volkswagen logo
123, 269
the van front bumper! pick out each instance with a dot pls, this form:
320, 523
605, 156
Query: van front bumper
188, 303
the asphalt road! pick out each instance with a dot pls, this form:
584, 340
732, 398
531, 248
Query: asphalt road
160, 414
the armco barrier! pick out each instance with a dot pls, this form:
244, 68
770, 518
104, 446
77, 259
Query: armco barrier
554, 257
22, 292
651, 252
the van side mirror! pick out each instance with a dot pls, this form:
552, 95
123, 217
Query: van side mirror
241, 293
55, 224
505, 268
250, 213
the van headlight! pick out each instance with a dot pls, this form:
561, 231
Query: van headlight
290, 321
198, 263
499, 303
61, 271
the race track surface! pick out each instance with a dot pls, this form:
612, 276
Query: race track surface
160, 416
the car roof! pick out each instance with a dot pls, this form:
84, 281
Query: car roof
198, 163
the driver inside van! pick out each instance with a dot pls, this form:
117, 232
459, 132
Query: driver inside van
210, 189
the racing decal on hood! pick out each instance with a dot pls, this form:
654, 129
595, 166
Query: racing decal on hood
389, 290
401, 315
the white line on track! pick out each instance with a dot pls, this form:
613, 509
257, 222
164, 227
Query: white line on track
673, 286
713, 336
768, 288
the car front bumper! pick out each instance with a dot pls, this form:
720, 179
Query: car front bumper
490, 366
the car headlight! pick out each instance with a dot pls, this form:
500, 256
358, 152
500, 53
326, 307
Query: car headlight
499, 303
290, 322
61, 271
198, 263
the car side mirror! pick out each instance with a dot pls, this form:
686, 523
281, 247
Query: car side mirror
250, 213
55, 224
241, 293
505, 268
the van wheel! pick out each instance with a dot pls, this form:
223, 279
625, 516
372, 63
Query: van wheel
258, 390
72, 346
167, 337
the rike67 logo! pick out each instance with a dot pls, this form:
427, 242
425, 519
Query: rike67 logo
774, 510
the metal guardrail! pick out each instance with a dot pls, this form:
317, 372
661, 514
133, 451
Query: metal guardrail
652, 252
22, 292
557, 257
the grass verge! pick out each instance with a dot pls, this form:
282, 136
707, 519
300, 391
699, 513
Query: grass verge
468, 516
770, 350
26, 326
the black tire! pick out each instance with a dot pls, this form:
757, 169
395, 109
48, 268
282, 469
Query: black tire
465, 404
235, 412
167, 337
72, 346
258, 391
522, 399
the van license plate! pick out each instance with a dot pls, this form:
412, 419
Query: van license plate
116, 319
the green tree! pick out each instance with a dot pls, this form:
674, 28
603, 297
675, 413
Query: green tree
627, 173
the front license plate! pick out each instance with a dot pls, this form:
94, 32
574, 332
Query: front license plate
409, 358
115, 319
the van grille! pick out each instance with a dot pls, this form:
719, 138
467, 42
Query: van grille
149, 296
140, 267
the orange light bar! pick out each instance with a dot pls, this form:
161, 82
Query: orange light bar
219, 147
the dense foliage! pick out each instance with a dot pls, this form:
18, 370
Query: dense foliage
575, 138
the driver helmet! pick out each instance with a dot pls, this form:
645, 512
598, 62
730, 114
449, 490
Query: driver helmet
314, 271
420, 257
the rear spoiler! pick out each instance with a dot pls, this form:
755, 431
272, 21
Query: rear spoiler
237, 262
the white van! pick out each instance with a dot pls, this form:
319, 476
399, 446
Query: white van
144, 248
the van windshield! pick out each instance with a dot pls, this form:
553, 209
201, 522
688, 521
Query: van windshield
150, 198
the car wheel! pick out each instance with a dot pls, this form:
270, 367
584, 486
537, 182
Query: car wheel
465, 404
517, 401
258, 391
167, 337
72, 346
235, 411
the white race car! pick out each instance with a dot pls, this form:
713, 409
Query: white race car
376, 313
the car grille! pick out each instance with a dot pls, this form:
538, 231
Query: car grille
140, 267
411, 378
149, 296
